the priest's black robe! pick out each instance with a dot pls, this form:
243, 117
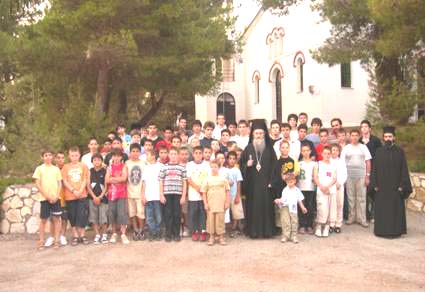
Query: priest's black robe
390, 176
259, 199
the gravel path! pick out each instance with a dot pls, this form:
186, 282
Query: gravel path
354, 260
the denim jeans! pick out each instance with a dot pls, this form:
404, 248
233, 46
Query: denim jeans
153, 216
197, 216
172, 215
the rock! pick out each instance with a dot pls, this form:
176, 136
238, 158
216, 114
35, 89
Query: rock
25, 211
8, 193
16, 202
36, 208
416, 181
423, 183
5, 205
14, 215
34, 191
413, 194
32, 225
28, 202
414, 205
420, 195
36, 197
17, 228
5, 226
24, 192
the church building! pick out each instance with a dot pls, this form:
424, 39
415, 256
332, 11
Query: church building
275, 73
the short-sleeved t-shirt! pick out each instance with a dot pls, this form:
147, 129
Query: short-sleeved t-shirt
74, 174
325, 173
197, 172
291, 197
49, 175
235, 176
150, 177
97, 182
305, 182
86, 159
135, 170
355, 157
173, 176
215, 187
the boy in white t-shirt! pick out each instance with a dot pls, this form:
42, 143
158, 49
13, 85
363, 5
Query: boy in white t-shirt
150, 196
288, 203
197, 171
306, 185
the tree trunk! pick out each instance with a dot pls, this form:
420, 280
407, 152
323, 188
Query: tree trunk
155, 106
101, 102
123, 102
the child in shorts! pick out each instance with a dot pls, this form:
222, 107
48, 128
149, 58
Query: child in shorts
75, 175
288, 203
116, 181
136, 210
215, 191
48, 181
98, 201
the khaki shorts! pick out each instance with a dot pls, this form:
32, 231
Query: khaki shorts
237, 210
136, 208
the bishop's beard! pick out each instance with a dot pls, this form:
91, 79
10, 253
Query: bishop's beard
259, 145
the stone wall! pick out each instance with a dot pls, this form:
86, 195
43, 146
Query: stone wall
20, 210
417, 198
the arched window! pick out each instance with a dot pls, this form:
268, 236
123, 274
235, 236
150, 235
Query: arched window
274, 41
226, 106
256, 80
300, 75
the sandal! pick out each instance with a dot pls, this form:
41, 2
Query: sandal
211, 242
84, 240
56, 245
331, 229
75, 241
40, 246
222, 241
337, 230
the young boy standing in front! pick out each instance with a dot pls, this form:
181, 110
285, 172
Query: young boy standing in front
235, 177
172, 189
325, 180
307, 187
150, 196
337, 204
116, 181
197, 171
98, 202
48, 180
75, 175
136, 210
291, 198
216, 195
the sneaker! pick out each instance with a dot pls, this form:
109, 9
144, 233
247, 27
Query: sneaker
325, 231
63, 240
104, 239
49, 242
185, 232
113, 238
177, 238
349, 222
135, 236
97, 239
203, 237
331, 229
295, 239
168, 239
124, 239
284, 239
157, 237
364, 224
195, 236
141, 236
318, 232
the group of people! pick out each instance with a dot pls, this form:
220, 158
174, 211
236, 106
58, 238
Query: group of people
245, 177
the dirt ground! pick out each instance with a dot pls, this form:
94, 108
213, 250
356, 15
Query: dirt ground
354, 260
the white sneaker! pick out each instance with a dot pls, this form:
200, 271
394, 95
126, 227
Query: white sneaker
318, 232
185, 232
113, 238
63, 240
104, 239
97, 239
325, 231
124, 239
49, 242
284, 239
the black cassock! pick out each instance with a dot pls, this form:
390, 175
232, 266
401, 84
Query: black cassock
388, 175
259, 199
